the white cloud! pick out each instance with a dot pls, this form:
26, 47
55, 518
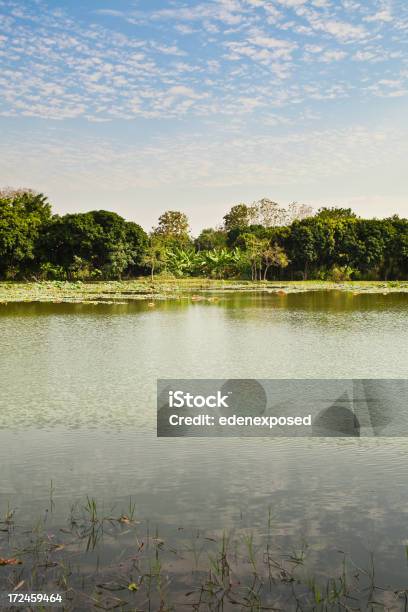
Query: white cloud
184, 29
332, 56
365, 56
182, 90
340, 30
168, 49
313, 48
56, 67
269, 42
383, 15
196, 160
292, 3
238, 85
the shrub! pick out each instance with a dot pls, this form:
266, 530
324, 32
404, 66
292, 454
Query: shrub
339, 274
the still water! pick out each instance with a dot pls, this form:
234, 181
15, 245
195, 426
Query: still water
78, 408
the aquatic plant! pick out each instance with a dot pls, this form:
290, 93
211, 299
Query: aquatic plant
110, 560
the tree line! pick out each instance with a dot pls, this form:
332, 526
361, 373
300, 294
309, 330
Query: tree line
260, 241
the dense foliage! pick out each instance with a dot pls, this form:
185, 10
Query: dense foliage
260, 241
36, 244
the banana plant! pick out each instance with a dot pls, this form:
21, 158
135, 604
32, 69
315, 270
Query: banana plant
182, 262
220, 262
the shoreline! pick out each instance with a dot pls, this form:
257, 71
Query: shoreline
164, 289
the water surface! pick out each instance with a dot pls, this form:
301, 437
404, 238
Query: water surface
78, 407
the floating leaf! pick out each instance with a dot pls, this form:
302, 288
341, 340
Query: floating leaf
133, 586
12, 561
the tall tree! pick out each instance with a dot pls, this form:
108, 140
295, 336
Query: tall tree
137, 242
98, 242
298, 212
155, 257
303, 245
255, 249
23, 216
174, 225
239, 216
274, 256
268, 213
68, 242
335, 213
211, 239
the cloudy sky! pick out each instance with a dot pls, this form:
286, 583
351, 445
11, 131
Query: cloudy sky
145, 105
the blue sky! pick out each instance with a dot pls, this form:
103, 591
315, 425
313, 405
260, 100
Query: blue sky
151, 105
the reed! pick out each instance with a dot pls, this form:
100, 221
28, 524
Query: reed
114, 561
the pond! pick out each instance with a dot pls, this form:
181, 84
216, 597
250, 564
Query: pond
78, 408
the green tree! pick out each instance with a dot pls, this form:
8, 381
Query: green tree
396, 248
335, 243
156, 254
94, 243
211, 239
254, 250
239, 216
303, 245
174, 227
335, 213
137, 242
370, 251
70, 239
23, 216
110, 250
274, 256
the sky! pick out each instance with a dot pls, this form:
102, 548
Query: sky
150, 105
